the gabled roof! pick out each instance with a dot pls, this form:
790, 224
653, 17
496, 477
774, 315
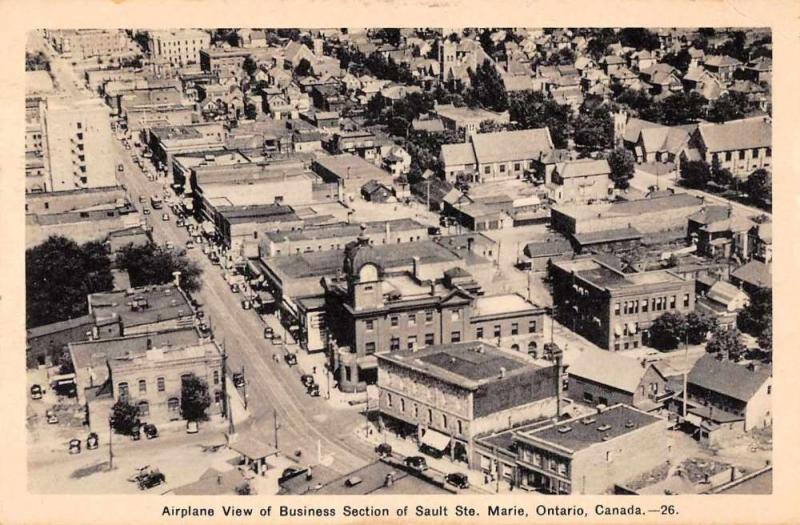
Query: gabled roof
724, 293
721, 61
506, 146
635, 126
609, 368
583, 168
458, 154
754, 272
737, 134
710, 214
548, 248
727, 378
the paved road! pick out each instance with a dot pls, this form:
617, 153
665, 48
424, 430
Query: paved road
304, 422
64, 76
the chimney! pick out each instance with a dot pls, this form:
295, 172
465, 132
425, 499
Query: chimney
389, 235
219, 479
414, 265
502, 372
470, 243
149, 344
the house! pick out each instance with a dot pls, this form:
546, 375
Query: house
752, 276
613, 309
496, 156
541, 254
759, 70
600, 378
445, 395
642, 60
741, 146
722, 301
589, 454
584, 180
662, 78
717, 232
612, 63
725, 400
466, 119
374, 191
761, 242
395, 159
722, 66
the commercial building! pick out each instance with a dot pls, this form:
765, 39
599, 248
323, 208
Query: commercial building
467, 119
350, 172
79, 145
89, 43
37, 169
448, 394
651, 215
373, 308
741, 146
168, 142
590, 454
81, 215
584, 180
178, 47
613, 309
45, 342
336, 236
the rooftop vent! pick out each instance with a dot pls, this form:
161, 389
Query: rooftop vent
588, 421
606, 437
603, 428
629, 424
564, 429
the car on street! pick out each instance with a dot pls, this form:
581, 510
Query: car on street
36, 392
434, 230
93, 441
384, 449
192, 427
277, 339
189, 244
417, 463
146, 211
307, 380
457, 479
268, 332
74, 446
150, 431
238, 379
141, 198
168, 245
165, 217
51, 416
120, 167
313, 390
247, 304
290, 358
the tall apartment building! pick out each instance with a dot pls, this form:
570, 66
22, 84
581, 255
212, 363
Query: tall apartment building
178, 47
37, 172
79, 145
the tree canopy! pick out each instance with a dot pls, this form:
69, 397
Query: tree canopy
195, 399
622, 165
487, 89
667, 331
532, 109
759, 187
726, 341
695, 174
59, 275
153, 264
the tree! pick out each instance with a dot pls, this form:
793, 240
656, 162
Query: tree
250, 111
756, 317
683, 108
679, 60
594, 126
59, 275
390, 35
532, 109
698, 326
726, 341
730, 106
124, 417
759, 187
487, 88
695, 174
250, 66
303, 68
195, 399
667, 331
153, 264
639, 38
765, 337
622, 165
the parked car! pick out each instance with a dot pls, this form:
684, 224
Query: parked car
165, 217
291, 359
141, 198
384, 449
51, 417
238, 379
277, 339
434, 230
192, 427
247, 304
307, 380
93, 441
150, 431
146, 211
268, 332
136, 431
200, 314
74, 446
36, 392
313, 390
417, 463
180, 222
457, 479
151, 479
189, 244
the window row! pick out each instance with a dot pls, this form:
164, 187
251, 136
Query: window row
415, 412
123, 388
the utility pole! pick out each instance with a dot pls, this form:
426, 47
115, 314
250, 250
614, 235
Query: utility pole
428, 198
110, 450
244, 388
275, 421
685, 369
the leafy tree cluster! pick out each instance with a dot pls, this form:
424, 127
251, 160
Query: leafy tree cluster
756, 318
639, 38
399, 115
303, 68
735, 46
487, 89
388, 69
425, 148
594, 126
622, 165
195, 399
679, 60
59, 275
152, 264
759, 188
672, 329
390, 35
532, 109
726, 341
676, 109
695, 174
730, 106
124, 417
36, 62
563, 57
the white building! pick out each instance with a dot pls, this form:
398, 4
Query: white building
79, 145
179, 47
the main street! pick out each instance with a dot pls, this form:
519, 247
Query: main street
304, 422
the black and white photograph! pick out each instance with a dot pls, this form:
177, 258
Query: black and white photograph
468, 261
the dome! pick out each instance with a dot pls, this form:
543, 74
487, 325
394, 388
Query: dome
359, 253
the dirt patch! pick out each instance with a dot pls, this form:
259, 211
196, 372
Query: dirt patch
84, 472
651, 477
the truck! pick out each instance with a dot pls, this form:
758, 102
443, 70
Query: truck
155, 202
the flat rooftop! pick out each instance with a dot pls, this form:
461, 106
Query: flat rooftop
348, 167
582, 432
468, 365
164, 302
332, 231
631, 208
489, 305
603, 276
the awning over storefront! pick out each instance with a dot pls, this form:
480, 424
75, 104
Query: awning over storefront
694, 419
365, 362
265, 297
435, 440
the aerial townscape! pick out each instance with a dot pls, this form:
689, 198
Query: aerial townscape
399, 261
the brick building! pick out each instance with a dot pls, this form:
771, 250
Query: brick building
448, 394
613, 309
372, 308
589, 454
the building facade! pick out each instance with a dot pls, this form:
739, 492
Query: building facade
178, 47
